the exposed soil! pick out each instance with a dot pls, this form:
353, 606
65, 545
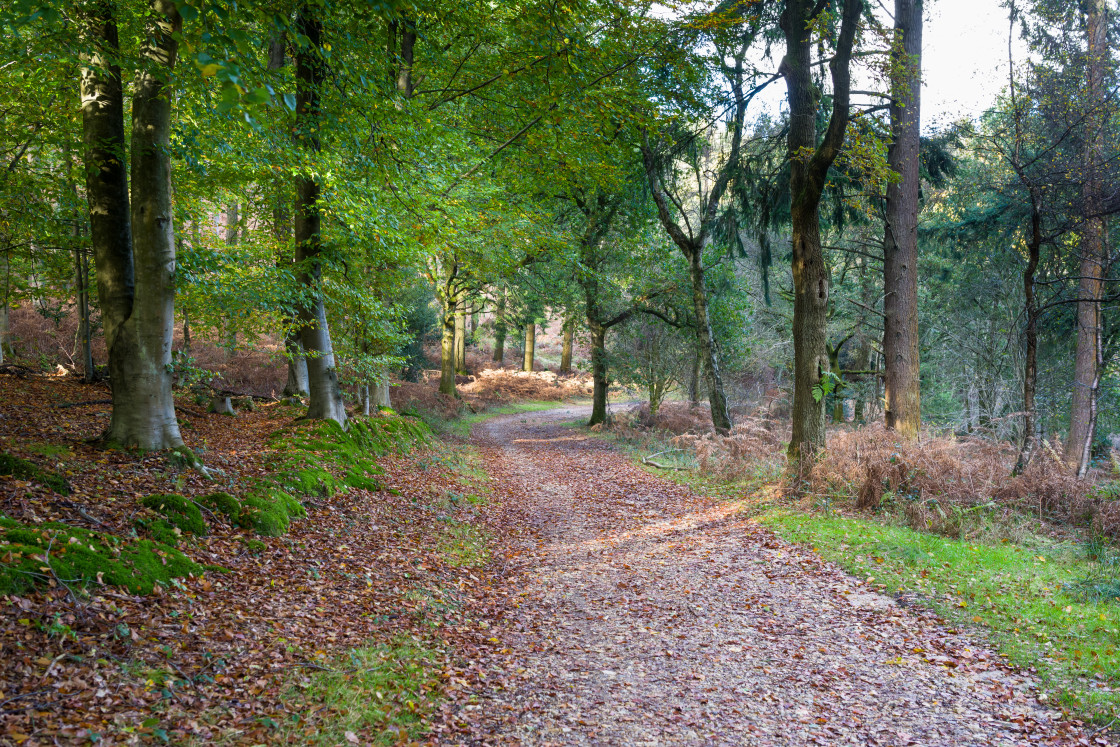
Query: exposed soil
646, 614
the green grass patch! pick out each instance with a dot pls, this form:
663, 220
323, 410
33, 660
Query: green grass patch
41, 554
22, 469
380, 692
1031, 597
463, 545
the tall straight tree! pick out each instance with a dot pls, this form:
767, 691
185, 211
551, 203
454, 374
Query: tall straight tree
693, 239
324, 394
1093, 249
134, 247
809, 165
902, 380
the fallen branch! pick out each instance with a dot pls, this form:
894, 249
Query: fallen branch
649, 460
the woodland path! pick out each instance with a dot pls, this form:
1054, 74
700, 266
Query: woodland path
649, 615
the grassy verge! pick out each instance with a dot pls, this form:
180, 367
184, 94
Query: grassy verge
1044, 604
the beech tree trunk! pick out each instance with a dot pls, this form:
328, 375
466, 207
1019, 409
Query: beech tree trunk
324, 394
807, 181
85, 342
706, 344
461, 337
902, 380
598, 372
381, 398
530, 346
566, 349
694, 380
134, 247
1093, 250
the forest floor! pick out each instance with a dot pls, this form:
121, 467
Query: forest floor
532, 586
648, 614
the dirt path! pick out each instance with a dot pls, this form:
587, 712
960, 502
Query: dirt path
648, 615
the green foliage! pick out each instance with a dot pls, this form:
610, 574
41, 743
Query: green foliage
22, 469
827, 385
35, 555
178, 511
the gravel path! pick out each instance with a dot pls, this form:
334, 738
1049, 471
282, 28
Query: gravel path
648, 615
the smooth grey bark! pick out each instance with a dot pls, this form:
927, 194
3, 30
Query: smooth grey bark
902, 378
324, 393
134, 248
149, 419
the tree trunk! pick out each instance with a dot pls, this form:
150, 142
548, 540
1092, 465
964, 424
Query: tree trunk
530, 346
230, 223
566, 349
900, 240
1030, 362
296, 385
706, 344
150, 421
81, 269
808, 174
461, 337
694, 380
107, 194
324, 394
1094, 237
598, 372
447, 349
500, 330
5, 301
381, 398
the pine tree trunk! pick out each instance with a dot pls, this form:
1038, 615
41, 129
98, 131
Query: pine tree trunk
598, 372
461, 337
530, 346
447, 350
1030, 353
902, 381
566, 349
808, 174
324, 394
1093, 250
706, 344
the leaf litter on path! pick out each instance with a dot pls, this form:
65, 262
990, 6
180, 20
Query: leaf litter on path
640, 613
